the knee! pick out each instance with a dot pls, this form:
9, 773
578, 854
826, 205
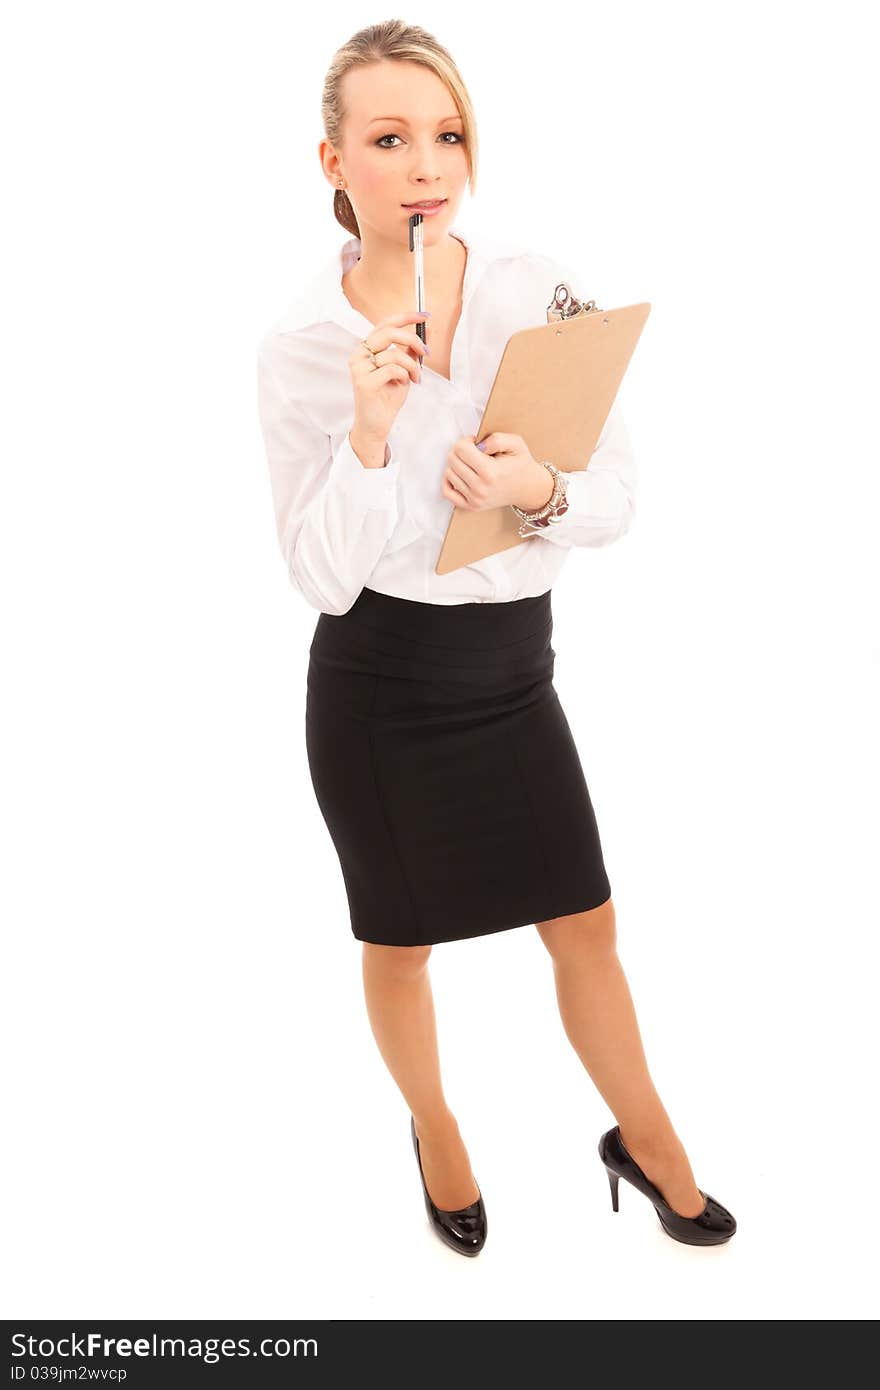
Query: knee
595, 930
396, 962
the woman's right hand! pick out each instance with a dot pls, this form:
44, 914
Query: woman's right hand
380, 391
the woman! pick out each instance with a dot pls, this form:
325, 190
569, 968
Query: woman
440, 756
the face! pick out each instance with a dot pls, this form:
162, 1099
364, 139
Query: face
403, 141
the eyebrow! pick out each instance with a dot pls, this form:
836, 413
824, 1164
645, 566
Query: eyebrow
403, 120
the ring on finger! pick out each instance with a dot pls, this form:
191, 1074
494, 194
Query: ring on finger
371, 352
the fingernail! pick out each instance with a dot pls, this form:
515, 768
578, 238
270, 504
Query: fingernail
482, 446
427, 350
426, 311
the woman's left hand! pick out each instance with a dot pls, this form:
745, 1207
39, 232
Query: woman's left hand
499, 473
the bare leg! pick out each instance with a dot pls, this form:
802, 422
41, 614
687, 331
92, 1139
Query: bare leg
400, 1006
600, 1021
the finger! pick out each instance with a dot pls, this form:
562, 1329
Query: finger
387, 374
469, 457
473, 487
473, 454
458, 477
389, 355
412, 364
461, 469
394, 325
453, 495
391, 373
380, 337
499, 442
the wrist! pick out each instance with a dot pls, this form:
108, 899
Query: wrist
536, 490
373, 453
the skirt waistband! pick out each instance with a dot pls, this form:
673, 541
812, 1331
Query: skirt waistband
456, 627
390, 657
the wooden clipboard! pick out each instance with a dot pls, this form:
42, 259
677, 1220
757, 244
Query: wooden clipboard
555, 385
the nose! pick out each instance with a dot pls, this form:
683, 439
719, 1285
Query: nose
425, 171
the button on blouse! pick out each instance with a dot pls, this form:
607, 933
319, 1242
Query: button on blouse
341, 526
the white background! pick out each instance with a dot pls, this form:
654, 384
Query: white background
200, 1124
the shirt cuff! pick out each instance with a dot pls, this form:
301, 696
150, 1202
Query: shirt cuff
374, 488
601, 497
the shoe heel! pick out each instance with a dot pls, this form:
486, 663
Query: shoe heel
614, 1182
712, 1226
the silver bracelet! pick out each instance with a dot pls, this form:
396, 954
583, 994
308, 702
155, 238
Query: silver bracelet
532, 523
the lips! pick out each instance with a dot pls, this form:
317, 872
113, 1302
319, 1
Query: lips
434, 203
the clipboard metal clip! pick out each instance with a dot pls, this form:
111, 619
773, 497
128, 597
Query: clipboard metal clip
564, 304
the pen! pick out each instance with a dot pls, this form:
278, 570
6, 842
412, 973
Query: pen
415, 244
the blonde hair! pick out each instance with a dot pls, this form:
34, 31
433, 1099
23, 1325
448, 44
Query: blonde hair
398, 42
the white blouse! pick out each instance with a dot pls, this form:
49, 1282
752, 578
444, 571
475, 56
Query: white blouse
342, 527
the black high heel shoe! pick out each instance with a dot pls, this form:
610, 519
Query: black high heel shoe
466, 1229
714, 1223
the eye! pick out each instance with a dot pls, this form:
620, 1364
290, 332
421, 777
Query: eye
456, 138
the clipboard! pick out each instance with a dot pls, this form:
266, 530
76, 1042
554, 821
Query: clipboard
555, 385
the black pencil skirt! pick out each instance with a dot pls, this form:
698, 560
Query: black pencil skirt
446, 771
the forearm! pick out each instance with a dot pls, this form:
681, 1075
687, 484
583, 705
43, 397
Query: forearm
372, 453
334, 542
601, 497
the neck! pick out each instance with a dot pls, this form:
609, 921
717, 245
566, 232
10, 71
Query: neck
386, 270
